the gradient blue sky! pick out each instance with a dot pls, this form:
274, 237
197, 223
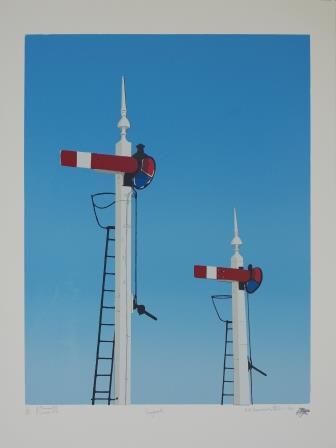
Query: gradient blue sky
227, 119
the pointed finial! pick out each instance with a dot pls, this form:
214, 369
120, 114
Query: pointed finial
123, 98
123, 124
236, 240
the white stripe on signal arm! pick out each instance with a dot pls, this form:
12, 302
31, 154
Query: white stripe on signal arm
211, 272
83, 159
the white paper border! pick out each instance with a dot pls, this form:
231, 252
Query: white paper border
168, 426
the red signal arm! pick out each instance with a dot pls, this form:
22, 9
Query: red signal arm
77, 159
228, 274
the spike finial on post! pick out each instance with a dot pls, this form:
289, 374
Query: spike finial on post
236, 240
123, 124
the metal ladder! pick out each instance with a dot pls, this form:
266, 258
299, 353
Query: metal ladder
103, 376
228, 363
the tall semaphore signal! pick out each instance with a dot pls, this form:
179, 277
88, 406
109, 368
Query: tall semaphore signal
132, 172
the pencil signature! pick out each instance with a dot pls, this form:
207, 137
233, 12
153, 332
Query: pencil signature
302, 411
41, 410
153, 412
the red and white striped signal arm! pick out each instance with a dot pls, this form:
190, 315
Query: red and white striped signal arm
228, 274
105, 162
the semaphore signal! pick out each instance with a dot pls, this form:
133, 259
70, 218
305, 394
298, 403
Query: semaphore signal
242, 281
132, 172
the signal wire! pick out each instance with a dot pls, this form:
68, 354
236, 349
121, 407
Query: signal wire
250, 349
135, 195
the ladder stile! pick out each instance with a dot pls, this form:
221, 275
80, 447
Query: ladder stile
108, 359
226, 368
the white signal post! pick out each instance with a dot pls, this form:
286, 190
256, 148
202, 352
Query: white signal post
241, 395
120, 164
123, 274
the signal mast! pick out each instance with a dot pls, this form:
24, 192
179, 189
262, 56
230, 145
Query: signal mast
123, 266
242, 280
132, 172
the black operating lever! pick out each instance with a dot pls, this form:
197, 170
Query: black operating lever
251, 366
141, 309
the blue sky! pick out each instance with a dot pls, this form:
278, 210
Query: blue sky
226, 118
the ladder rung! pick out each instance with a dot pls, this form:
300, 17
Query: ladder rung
229, 342
108, 398
228, 354
228, 381
228, 368
228, 395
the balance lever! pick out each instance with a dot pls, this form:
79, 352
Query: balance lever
251, 366
150, 315
142, 310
